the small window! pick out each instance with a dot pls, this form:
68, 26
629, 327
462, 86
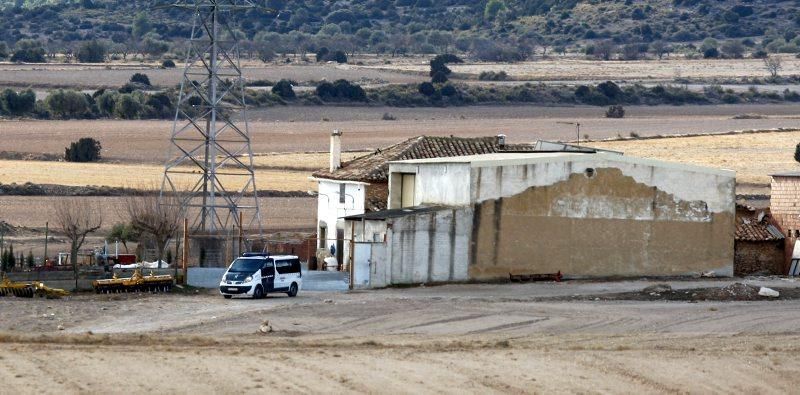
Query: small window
295, 268
342, 191
376, 237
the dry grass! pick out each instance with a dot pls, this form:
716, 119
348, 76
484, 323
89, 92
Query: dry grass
577, 69
753, 156
128, 175
115, 75
306, 161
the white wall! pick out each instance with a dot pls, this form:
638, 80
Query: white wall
443, 184
329, 208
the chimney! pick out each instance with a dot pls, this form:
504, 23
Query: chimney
501, 141
336, 150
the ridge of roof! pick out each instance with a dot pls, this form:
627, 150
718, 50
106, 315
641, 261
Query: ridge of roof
374, 167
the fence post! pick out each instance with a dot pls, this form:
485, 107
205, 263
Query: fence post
185, 251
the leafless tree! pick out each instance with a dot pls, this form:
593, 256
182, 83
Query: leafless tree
154, 217
604, 49
773, 65
77, 218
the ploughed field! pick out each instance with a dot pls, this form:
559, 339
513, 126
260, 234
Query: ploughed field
302, 129
492, 338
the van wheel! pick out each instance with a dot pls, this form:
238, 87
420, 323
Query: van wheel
292, 290
227, 296
259, 293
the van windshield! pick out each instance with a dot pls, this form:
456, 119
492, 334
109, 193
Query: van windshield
244, 265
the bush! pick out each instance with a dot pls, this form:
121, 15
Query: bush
86, 149
711, 53
127, 107
341, 90
168, 64
14, 103
388, 117
449, 90
92, 52
610, 89
439, 78
427, 88
67, 104
615, 111
140, 78
284, 89
28, 51
492, 76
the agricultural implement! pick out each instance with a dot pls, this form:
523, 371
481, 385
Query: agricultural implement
29, 290
136, 283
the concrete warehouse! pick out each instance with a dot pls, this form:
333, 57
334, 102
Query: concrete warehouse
485, 217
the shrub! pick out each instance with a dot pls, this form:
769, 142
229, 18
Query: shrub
127, 107
92, 52
711, 53
610, 89
492, 76
284, 89
427, 88
86, 149
439, 78
14, 103
615, 111
67, 104
341, 90
140, 78
168, 64
449, 90
28, 51
388, 117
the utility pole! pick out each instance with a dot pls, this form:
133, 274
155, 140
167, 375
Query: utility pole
46, 237
577, 130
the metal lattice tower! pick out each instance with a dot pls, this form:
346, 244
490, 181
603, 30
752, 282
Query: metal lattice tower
210, 162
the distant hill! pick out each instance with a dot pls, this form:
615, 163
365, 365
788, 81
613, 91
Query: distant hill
503, 29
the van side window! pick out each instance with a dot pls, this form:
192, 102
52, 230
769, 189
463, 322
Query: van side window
283, 267
269, 268
295, 266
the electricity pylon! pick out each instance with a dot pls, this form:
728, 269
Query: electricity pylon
210, 162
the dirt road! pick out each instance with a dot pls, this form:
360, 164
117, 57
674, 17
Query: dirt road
450, 339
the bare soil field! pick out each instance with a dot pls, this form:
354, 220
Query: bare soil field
302, 129
566, 69
448, 339
87, 76
35, 211
753, 156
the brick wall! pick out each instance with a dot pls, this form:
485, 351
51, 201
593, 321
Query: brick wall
785, 204
785, 209
758, 257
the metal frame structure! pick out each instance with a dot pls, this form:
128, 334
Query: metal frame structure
210, 162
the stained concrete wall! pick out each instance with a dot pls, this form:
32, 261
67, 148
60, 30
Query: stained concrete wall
604, 225
585, 215
423, 248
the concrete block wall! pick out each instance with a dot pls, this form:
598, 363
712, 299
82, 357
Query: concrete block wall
424, 248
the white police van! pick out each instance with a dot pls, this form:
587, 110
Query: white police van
257, 274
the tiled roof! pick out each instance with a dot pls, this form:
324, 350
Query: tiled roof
374, 167
757, 231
